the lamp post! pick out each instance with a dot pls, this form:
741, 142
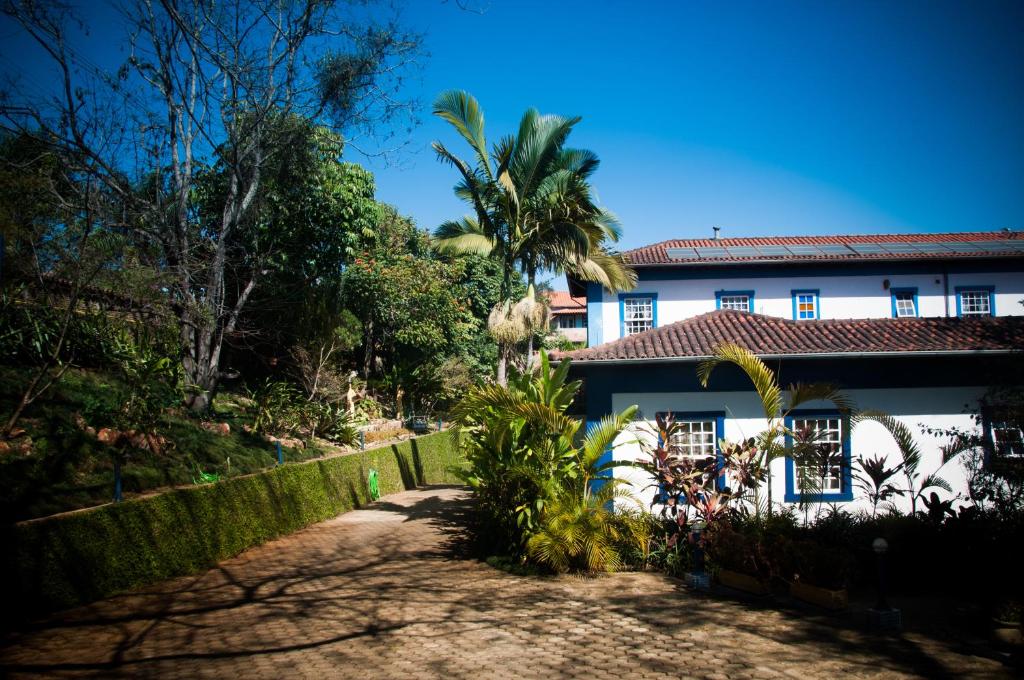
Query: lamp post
882, 616
880, 546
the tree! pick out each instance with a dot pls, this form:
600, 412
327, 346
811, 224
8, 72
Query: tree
58, 228
409, 303
533, 209
205, 89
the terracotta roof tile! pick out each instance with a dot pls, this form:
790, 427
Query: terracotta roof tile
772, 336
563, 303
953, 245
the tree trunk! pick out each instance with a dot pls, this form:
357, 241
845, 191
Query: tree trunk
531, 278
502, 376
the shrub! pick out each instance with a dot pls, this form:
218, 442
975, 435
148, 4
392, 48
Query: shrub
70, 559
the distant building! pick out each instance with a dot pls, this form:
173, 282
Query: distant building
916, 325
568, 315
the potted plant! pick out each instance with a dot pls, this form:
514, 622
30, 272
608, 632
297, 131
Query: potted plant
1006, 624
737, 561
819, 575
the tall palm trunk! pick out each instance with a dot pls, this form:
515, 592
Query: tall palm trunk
531, 278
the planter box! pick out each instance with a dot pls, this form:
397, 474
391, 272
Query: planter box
745, 582
1007, 633
823, 597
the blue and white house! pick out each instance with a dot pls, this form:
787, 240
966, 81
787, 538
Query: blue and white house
915, 325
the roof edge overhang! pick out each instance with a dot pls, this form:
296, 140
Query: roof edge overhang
816, 355
693, 264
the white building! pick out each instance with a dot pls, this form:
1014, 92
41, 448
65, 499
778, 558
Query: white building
918, 326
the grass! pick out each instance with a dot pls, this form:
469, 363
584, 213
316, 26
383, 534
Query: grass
69, 469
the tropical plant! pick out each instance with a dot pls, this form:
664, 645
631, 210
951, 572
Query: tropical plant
874, 477
527, 462
532, 208
910, 453
770, 444
275, 407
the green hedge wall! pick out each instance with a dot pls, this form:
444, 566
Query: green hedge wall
79, 557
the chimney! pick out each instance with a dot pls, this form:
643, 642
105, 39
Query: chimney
717, 229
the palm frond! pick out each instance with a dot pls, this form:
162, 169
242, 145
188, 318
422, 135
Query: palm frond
463, 112
902, 435
801, 393
763, 378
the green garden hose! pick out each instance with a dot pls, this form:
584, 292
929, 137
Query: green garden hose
374, 487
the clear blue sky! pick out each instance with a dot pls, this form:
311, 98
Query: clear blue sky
759, 117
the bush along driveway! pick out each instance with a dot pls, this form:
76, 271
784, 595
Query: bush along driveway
385, 592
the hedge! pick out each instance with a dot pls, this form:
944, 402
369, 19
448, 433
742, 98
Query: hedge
71, 559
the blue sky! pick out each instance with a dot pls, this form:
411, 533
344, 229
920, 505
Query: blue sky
759, 117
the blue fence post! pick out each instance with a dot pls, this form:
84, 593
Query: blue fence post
280, 454
117, 481
362, 440
439, 424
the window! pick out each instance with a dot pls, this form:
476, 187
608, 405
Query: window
904, 302
571, 321
1007, 440
975, 301
822, 470
695, 439
638, 313
805, 305
740, 300
1003, 431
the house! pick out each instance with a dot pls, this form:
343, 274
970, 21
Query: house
568, 315
917, 325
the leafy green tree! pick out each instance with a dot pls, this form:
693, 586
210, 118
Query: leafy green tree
204, 89
532, 209
410, 303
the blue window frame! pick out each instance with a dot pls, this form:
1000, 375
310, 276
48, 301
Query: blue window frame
904, 303
742, 300
806, 305
638, 312
1004, 437
837, 485
975, 300
696, 444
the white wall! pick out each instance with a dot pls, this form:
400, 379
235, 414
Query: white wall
928, 407
841, 297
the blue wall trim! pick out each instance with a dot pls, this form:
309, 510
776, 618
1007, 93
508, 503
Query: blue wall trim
622, 309
846, 494
595, 323
991, 290
892, 295
719, 294
817, 302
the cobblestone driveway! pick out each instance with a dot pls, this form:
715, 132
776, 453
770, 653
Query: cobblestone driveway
382, 593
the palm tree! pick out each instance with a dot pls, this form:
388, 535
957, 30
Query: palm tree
910, 454
771, 441
532, 210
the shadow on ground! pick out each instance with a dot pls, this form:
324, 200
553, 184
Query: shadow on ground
388, 591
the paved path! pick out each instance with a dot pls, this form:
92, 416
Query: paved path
383, 593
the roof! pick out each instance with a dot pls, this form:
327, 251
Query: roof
562, 302
769, 336
842, 248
